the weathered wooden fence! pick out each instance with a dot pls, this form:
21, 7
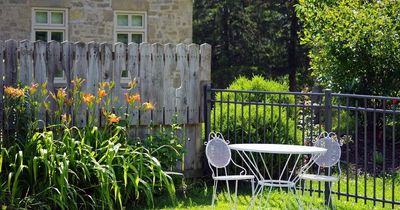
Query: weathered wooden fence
169, 76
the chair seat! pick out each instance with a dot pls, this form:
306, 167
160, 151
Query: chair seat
315, 177
234, 177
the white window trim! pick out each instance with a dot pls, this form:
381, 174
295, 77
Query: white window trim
50, 28
130, 30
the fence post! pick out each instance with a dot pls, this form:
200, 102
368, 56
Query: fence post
328, 128
207, 109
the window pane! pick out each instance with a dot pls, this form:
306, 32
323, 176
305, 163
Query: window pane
122, 38
57, 36
124, 73
41, 17
122, 20
59, 73
57, 18
41, 35
137, 38
137, 20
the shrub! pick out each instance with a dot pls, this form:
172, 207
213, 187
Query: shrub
259, 122
353, 45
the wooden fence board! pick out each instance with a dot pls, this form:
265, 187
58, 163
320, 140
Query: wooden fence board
133, 69
1, 90
39, 73
25, 74
181, 92
145, 80
11, 63
171, 82
157, 77
80, 71
119, 66
67, 50
53, 64
193, 93
204, 74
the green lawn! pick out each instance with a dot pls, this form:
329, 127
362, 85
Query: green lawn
198, 196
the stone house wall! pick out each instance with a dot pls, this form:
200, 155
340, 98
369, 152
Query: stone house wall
168, 21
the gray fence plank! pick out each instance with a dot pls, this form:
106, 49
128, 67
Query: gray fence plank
157, 77
11, 63
53, 64
80, 71
204, 73
133, 68
193, 93
1, 90
181, 92
26, 63
145, 80
171, 82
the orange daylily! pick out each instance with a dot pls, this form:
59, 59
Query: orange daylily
33, 88
112, 118
132, 98
88, 98
61, 94
14, 92
101, 93
148, 106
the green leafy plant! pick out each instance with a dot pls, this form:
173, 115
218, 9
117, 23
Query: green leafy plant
62, 166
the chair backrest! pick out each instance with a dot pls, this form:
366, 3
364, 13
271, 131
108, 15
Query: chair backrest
217, 150
330, 142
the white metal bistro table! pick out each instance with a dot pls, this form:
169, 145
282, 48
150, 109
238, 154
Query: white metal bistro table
253, 155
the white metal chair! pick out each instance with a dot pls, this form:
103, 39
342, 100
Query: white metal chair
327, 160
219, 156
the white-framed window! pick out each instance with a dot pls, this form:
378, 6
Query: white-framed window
130, 26
50, 24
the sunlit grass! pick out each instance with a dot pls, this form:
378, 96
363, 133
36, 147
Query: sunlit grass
199, 196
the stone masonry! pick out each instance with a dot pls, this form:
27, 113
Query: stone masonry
168, 21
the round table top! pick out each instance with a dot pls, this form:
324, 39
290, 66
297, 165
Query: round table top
278, 148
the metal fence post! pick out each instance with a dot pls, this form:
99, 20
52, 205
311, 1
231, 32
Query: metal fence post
328, 128
207, 110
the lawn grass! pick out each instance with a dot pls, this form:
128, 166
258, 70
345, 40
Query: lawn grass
198, 196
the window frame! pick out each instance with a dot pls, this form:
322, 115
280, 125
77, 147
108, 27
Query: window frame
130, 29
49, 28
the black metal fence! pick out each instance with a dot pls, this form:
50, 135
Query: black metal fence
368, 126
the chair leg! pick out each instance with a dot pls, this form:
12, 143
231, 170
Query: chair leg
214, 193
236, 195
252, 187
229, 193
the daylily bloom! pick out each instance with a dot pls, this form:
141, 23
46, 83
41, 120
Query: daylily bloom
14, 92
61, 94
148, 106
101, 93
33, 88
112, 118
132, 98
88, 98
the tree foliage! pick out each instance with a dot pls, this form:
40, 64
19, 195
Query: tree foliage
354, 45
248, 37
